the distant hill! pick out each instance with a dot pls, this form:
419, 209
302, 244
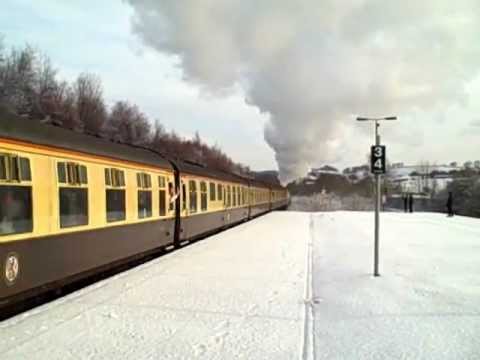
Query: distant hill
330, 180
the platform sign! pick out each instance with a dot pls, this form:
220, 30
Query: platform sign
378, 163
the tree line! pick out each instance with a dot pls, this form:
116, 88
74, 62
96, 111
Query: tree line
30, 87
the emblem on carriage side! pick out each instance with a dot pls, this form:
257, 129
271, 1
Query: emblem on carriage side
12, 268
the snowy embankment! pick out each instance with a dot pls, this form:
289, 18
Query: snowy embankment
285, 286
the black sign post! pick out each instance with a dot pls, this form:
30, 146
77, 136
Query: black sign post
378, 165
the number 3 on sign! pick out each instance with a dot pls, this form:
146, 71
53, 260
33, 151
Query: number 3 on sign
378, 151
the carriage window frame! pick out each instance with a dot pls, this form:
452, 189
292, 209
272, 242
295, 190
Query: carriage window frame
28, 221
162, 195
184, 196
73, 174
114, 177
203, 196
63, 223
73, 177
144, 188
115, 183
144, 180
239, 196
110, 205
213, 191
15, 168
193, 195
145, 212
228, 196
219, 192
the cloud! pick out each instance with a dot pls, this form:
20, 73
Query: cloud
475, 123
312, 65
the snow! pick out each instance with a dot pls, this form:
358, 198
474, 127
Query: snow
426, 304
286, 285
236, 295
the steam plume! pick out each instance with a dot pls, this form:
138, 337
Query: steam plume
313, 64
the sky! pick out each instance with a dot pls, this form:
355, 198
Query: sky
278, 84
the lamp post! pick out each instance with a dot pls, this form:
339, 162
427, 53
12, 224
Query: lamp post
378, 190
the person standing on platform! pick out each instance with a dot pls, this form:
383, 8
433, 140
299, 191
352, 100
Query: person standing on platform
450, 204
410, 203
405, 202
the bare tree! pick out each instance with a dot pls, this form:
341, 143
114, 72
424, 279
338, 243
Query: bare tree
89, 103
65, 107
17, 78
29, 87
45, 88
128, 124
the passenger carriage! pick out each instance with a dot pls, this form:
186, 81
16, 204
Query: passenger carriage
72, 205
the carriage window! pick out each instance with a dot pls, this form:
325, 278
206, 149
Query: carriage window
228, 196
203, 196
15, 210
3, 167
72, 173
114, 177
162, 200
162, 197
121, 178
116, 209
239, 196
144, 204
192, 187
62, 174
213, 194
14, 168
25, 173
144, 180
73, 207
234, 194
115, 205
220, 192
184, 197
161, 181
82, 171
108, 177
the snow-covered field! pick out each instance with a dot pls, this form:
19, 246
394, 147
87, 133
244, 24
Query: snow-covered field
288, 285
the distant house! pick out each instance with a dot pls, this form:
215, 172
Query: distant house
421, 178
327, 169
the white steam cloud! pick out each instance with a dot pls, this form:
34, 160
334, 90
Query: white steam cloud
314, 64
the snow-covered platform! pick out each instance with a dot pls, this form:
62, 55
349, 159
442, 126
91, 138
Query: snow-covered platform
287, 285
